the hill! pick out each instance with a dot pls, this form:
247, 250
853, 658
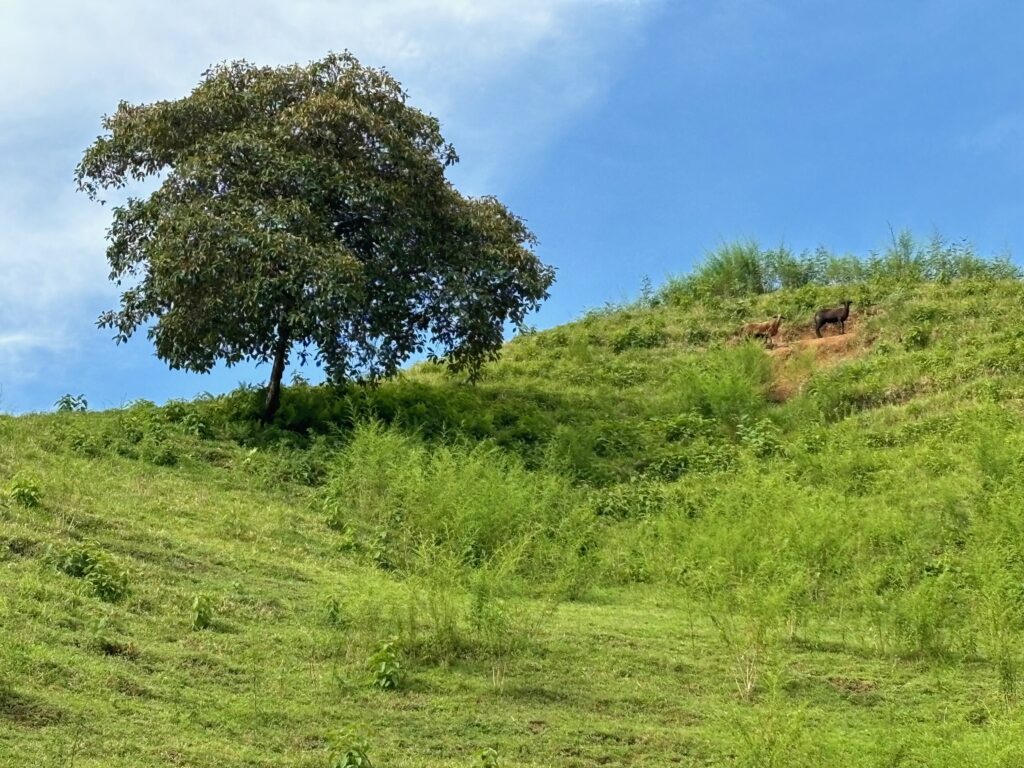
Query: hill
639, 540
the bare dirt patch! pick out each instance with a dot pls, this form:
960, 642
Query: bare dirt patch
791, 365
826, 347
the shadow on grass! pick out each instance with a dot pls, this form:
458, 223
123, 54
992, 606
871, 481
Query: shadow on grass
27, 711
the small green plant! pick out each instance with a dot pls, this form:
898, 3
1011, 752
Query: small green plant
202, 612
193, 424
639, 337
355, 754
162, 454
1008, 669
71, 403
108, 581
83, 443
386, 666
917, 336
685, 427
501, 630
110, 645
334, 613
488, 758
635, 499
24, 490
761, 436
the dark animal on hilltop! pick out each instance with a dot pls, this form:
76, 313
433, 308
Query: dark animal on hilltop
830, 316
764, 331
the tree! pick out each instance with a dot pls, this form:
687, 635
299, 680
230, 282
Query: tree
305, 210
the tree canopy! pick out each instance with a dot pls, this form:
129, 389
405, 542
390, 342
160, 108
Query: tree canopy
305, 210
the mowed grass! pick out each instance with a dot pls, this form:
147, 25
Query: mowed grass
638, 541
643, 675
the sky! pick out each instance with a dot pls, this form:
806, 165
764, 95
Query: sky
634, 136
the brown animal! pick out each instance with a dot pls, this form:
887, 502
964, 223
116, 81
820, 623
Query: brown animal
764, 331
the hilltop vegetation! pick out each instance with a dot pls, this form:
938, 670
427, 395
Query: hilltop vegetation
639, 539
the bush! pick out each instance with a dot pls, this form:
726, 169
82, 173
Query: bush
636, 499
761, 436
201, 612
639, 337
386, 667
400, 502
24, 490
354, 755
72, 403
108, 581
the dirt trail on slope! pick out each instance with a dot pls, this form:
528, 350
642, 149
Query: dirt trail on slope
792, 368
826, 347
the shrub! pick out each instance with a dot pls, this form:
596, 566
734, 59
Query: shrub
744, 269
334, 613
71, 403
201, 612
699, 458
501, 633
402, 503
917, 336
761, 436
83, 443
732, 270
635, 499
488, 758
386, 666
627, 375
639, 337
355, 754
686, 427
24, 490
108, 581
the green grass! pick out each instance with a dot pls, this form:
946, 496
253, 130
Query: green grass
637, 541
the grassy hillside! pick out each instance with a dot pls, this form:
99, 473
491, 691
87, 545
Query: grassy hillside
639, 540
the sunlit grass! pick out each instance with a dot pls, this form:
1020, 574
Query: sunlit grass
639, 540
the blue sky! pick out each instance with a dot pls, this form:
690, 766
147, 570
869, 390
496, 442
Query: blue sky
633, 135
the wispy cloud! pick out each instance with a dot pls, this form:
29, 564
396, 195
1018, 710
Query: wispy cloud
1003, 136
503, 77
51, 266
539, 58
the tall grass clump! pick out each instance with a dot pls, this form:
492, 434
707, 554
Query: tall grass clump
745, 269
404, 504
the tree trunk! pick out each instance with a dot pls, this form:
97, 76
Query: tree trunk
276, 373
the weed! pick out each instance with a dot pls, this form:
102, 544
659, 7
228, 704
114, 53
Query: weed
635, 499
355, 753
917, 336
201, 612
386, 666
488, 758
71, 403
389, 495
638, 337
110, 645
24, 490
760, 436
334, 613
108, 581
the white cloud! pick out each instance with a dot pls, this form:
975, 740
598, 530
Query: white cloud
448, 53
51, 264
504, 78
1004, 136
